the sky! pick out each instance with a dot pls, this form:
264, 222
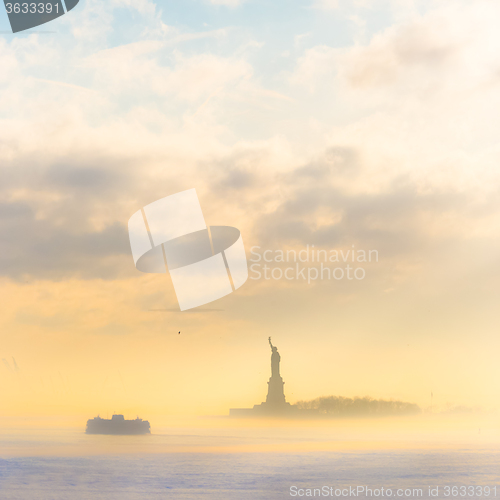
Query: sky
367, 124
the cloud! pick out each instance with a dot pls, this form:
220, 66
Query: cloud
326, 4
84, 149
426, 44
444, 49
45, 249
314, 66
397, 7
393, 217
227, 3
130, 124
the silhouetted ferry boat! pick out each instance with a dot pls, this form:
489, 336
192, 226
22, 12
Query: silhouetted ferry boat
117, 425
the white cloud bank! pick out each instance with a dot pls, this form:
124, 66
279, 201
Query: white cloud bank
84, 144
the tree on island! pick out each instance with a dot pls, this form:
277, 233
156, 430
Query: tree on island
338, 406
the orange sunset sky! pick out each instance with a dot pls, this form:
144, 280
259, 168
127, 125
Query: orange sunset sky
381, 135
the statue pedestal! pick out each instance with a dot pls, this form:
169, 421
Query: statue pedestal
275, 392
275, 403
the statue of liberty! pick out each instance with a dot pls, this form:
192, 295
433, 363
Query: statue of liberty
275, 403
275, 360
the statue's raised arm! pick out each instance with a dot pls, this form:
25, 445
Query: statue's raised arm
275, 360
